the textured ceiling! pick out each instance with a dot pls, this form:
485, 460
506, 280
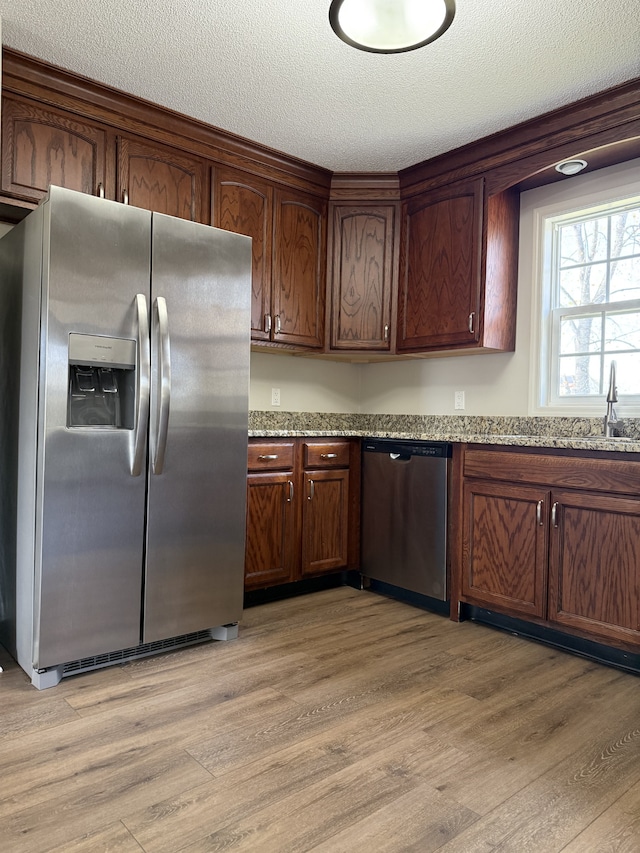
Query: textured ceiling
274, 71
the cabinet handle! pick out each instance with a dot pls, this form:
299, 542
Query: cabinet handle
277, 324
312, 490
267, 323
554, 514
100, 190
290, 498
328, 456
471, 319
386, 331
539, 513
125, 196
268, 457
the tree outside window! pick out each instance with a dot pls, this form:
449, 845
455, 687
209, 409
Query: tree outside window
595, 312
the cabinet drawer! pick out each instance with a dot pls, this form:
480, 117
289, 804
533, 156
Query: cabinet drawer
270, 455
327, 454
572, 472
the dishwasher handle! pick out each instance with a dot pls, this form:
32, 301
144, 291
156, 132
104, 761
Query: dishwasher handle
399, 457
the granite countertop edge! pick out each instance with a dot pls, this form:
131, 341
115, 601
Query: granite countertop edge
561, 433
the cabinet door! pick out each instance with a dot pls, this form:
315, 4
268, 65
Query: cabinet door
271, 532
299, 268
440, 269
161, 179
244, 204
505, 547
46, 146
594, 567
325, 514
362, 277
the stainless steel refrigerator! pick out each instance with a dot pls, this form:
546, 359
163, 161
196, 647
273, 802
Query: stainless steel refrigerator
125, 378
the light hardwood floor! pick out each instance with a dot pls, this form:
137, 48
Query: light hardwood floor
338, 722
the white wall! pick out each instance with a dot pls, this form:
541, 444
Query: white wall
306, 385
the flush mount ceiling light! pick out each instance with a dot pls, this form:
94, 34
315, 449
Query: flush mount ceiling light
390, 26
571, 167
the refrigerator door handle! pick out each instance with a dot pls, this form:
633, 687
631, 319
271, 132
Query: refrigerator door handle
159, 435
142, 402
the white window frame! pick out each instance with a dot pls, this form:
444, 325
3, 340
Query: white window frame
542, 207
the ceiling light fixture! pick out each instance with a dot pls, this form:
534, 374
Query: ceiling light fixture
390, 26
571, 167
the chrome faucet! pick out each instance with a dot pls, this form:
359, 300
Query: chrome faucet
611, 421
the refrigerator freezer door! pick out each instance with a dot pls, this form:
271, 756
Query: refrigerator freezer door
90, 518
196, 502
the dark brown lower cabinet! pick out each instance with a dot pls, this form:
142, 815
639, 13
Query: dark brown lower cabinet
505, 548
270, 553
303, 509
594, 564
325, 521
567, 557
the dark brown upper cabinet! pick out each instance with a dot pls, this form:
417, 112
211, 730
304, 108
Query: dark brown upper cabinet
163, 179
244, 204
458, 270
299, 268
363, 276
43, 146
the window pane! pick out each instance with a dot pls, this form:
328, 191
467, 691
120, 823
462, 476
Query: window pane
580, 334
582, 286
583, 242
625, 280
579, 375
622, 331
625, 233
627, 373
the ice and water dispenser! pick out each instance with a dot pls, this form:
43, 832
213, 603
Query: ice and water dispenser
102, 382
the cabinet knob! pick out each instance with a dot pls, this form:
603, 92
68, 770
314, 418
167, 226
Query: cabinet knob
472, 317
539, 513
125, 196
268, 457
328, 456
290, 498
386, 331
267, 323
554, 514
277, 324
100, 190
312, 490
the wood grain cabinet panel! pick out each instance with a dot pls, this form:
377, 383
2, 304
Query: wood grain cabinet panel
563, 548
594, 568
270, 544
244, 204
302, 519
162, 179
440, 270
505, 547
299, 268
325, 521
362, 277
458, 270
44, 146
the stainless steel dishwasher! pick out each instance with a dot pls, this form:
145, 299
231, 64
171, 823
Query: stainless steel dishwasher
404, 514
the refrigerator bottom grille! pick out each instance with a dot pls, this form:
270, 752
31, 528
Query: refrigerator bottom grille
123, 655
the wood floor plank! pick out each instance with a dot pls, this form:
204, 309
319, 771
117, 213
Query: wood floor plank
114, 838
338, 721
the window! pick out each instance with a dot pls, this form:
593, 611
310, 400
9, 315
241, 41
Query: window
586, 292
595, 297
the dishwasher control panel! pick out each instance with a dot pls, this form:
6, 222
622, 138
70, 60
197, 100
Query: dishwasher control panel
441, 449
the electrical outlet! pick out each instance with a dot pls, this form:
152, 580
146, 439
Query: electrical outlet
275, 396
458, 399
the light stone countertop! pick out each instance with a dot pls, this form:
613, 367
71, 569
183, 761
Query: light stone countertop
564, 433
